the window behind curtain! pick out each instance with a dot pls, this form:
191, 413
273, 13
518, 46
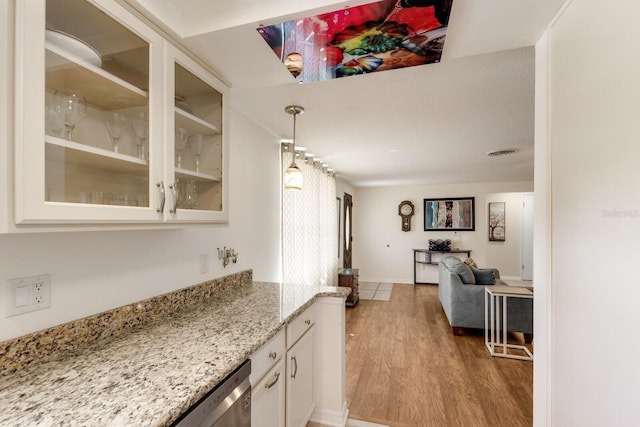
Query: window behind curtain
309, 223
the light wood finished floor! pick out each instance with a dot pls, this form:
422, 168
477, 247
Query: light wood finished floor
405, 369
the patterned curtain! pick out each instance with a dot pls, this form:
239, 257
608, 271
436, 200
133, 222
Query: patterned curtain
309, 226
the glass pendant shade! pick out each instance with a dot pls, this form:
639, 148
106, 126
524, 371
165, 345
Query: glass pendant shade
293, 178
294, 63
293, 175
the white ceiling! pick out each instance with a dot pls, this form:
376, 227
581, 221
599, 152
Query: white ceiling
429, 124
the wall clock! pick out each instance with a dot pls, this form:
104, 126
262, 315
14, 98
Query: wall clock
406, 211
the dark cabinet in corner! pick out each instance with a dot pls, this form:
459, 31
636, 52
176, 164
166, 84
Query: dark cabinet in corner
348, 278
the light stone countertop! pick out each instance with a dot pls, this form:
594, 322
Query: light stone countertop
151, 375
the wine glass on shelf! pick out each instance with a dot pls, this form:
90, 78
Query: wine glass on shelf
72, 106
182, 137
191, 195
140, 125
116, 124
54, 120
196, 146
180, 190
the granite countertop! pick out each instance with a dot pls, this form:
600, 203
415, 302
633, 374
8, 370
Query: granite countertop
152, 374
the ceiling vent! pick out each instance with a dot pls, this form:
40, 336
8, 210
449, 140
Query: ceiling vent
505, 152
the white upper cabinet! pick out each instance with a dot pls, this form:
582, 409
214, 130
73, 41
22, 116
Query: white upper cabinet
100, 103
195, 123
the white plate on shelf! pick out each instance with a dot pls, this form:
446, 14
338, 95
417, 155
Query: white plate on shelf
74, 47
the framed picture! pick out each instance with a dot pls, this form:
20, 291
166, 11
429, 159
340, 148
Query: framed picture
449, 214
496, 222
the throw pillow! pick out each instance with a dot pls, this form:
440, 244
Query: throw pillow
465, 273
470, 262
484, 276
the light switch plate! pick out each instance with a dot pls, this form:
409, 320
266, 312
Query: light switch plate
204, 263
27, 294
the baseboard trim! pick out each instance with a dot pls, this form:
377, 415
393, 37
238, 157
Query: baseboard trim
331, 418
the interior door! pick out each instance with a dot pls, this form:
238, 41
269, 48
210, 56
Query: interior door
348, 236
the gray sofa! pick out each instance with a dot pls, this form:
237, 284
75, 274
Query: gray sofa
461, 292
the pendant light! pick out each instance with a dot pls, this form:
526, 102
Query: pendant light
293, 175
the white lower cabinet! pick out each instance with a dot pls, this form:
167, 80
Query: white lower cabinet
298, 375
300, 396
268, 383
267, 399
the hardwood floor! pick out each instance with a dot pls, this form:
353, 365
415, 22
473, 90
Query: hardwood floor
405, 369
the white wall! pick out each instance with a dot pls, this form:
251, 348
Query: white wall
594, 93
96, 271
507, 256
384, 253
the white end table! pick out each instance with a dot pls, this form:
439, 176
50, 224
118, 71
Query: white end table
495, 336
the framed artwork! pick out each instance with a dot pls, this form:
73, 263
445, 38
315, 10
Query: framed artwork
496, 222
449, 214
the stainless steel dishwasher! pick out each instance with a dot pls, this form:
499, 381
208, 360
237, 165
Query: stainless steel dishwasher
227, 405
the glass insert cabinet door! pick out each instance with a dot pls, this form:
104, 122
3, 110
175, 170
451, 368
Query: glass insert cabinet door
196, 120
96, 109
88, 138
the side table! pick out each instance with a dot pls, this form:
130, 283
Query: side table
348, 277
495, 312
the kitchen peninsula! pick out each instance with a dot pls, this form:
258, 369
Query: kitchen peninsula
152, 360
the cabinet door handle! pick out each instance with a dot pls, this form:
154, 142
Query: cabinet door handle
272, 383
175, 198
160, 186
307, 322
273, 355
295, 370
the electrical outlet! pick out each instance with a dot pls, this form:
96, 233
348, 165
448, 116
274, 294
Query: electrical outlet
204, 263
26, 294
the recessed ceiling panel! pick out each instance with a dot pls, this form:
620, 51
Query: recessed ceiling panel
370, 38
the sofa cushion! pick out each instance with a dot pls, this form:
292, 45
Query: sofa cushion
470, 262
464, 271
483, 276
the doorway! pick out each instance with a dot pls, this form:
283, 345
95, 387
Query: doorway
513, 256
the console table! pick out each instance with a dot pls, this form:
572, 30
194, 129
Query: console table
423, 256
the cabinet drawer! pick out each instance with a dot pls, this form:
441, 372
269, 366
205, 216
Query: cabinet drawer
267, 356
300, 324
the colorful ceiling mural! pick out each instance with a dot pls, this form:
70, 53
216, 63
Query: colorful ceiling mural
373, 37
